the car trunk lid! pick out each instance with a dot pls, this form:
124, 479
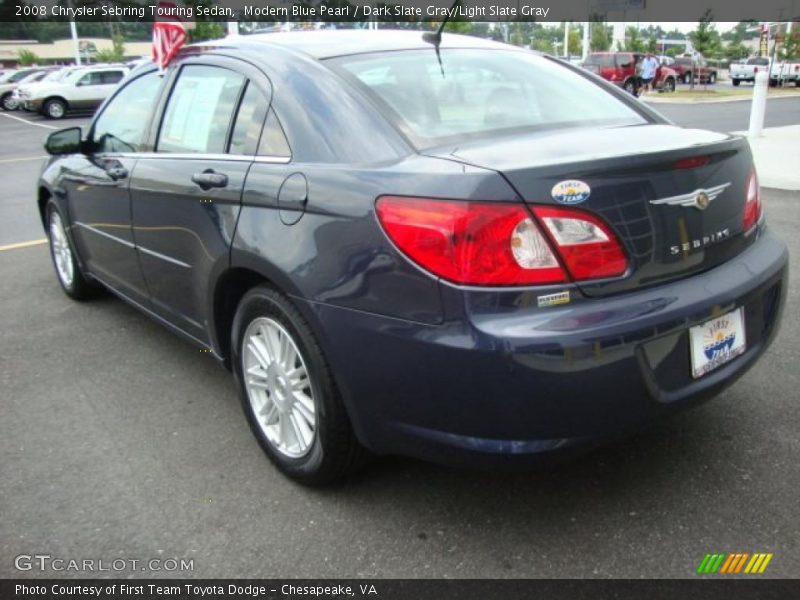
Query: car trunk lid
644, 183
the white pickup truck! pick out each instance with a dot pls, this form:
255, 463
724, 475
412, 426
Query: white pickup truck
747, 71
783, 72
779, 72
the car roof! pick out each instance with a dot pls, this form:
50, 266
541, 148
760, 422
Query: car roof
329, 43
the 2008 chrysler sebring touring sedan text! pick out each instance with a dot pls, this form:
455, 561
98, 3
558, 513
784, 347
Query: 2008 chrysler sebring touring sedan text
465, 252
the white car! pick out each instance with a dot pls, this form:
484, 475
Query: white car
26, 89
10, 81
81, 89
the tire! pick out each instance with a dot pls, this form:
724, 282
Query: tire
54, 109
629, 87
669, 85
300, 422
65, 263
735, 82
687, 78
7, 102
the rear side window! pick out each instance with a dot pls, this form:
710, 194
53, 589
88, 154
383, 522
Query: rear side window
111, 77
122, 125
200, 110
600, 60
625, 60
249, 122
482, 93
273, 140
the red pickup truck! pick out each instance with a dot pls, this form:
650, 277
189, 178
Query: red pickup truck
684, 66
619, 68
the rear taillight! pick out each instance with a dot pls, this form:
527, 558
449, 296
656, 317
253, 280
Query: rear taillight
480, 243
752, 204
588, 247
490, 243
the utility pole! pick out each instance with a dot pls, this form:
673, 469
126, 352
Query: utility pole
585, 48
75, 44
566, 39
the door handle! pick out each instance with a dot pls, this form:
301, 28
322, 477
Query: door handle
117, 173
210, 179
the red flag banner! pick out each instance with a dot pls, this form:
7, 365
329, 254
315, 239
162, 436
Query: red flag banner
169, 34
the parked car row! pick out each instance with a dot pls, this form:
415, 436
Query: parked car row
620, 69
690, 69
779, 71
54, 91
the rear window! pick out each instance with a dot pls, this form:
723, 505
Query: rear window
480, 93
600, 60
758, 61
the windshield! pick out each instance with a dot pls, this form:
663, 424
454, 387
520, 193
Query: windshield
56, 75
16, 76
481, 93
32, 77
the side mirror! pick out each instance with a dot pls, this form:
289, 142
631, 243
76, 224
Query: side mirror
65, 141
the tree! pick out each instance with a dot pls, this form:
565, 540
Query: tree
206, 30
791, 46
27, 58
575, 43
634, 42
600, 38
705, 38
115, 54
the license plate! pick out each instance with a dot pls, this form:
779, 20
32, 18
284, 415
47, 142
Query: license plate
716, 342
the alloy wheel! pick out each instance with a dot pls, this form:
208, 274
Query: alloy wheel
62, 255
279, 387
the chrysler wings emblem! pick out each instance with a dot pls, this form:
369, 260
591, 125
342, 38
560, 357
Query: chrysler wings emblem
700, 199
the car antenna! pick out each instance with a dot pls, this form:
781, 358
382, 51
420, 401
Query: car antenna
435, 37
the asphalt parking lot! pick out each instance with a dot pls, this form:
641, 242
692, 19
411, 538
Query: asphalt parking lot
119, 440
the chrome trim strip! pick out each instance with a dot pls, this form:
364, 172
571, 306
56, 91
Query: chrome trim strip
689, 199
219, 157
164, 257
104, 234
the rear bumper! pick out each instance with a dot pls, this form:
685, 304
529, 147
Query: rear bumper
516, 383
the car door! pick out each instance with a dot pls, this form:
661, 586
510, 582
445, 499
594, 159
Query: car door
94, 87
97, 186
186, 195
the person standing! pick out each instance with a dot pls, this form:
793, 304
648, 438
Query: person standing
649, 68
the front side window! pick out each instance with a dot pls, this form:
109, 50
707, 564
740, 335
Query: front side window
482, 93
123, 123
93, 78
200, 110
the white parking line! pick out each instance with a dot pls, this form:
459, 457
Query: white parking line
28, 122
22, 245
10, 160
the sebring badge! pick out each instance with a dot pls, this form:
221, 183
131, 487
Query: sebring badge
570, 191
700, 199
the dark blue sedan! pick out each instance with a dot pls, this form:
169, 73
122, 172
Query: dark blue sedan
467, 253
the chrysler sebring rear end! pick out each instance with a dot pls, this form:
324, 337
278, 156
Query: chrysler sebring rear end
496, 255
